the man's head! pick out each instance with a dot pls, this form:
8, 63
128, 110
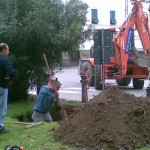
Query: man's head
54, 84
4, 49
57, 84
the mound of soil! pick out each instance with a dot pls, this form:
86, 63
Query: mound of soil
113, 120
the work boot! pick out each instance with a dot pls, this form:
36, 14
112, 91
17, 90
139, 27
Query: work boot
3, 130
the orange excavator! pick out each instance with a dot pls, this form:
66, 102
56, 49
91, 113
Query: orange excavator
115, 55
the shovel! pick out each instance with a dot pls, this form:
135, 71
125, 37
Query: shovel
63, 112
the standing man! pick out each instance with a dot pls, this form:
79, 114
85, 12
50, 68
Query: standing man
7, 74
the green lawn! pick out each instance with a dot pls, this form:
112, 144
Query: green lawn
34, 138
37, 137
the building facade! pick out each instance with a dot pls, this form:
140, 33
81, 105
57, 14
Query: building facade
105, 14
109, 14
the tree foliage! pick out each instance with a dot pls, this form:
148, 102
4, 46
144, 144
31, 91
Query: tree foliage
36, 27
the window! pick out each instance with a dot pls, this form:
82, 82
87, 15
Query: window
94, 16
113, 17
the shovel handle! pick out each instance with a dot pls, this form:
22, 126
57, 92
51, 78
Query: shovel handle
57, 98
50, 72
46, 62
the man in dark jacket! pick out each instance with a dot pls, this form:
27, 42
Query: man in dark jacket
47, 96
7, 74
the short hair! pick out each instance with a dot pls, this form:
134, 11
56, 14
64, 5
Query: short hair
3, 46
57, 83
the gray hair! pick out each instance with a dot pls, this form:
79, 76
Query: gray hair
3, 46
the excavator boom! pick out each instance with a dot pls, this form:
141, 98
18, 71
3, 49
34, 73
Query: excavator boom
124, 39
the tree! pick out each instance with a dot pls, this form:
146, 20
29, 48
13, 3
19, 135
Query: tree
34, 27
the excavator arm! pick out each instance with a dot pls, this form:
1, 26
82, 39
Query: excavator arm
141, 22
124, 39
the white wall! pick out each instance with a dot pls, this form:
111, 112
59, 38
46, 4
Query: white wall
121, 7
104, 8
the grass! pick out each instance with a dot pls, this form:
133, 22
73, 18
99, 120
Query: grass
36, 137
16, 109
73, 103
145, 148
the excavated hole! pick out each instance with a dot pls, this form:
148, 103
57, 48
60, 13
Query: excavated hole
55, 113
25, 118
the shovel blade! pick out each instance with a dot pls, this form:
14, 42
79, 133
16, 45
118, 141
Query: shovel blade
140, 59
63, 114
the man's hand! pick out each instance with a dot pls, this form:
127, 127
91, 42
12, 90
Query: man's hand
57, 103
57, 94
51, 78
57, 106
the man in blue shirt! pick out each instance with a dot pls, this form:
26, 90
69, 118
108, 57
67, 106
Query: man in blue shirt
7, 74
48, 94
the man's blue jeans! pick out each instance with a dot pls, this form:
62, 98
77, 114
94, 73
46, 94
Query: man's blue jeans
3, 104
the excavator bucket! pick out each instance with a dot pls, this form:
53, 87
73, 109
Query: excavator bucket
140, 59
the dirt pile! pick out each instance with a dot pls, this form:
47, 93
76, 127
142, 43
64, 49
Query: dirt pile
113, 120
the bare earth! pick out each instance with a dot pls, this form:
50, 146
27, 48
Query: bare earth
113, 120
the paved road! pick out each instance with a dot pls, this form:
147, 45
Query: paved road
71, 86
